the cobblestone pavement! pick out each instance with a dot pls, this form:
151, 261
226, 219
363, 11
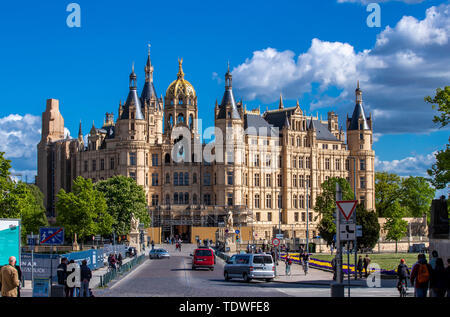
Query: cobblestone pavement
174, 277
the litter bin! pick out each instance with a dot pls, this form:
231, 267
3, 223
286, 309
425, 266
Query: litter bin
337, 290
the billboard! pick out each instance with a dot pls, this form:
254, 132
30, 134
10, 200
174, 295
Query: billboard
9, 240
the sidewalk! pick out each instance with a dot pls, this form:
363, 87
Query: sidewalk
26, 290
314, 276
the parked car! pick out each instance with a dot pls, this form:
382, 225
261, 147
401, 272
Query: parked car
159, 254
203, 258
250, 266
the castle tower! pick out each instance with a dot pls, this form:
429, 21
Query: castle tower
152, 107
359, 141
230, 162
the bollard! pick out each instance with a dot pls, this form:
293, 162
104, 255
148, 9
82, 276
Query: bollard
337, 289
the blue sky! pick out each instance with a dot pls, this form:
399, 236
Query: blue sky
314, 51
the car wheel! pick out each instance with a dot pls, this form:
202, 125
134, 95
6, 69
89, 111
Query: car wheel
246, 277
211, 269
227, 278
269, 279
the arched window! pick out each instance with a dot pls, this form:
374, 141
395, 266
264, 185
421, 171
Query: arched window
180, 179
257, 201
294, 201
180, 118
167, 158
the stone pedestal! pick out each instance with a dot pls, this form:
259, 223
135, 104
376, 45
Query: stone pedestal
75, 246
134, 240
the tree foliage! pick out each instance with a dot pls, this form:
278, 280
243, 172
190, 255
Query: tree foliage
416, 196
326, 206
440, 171
124, 197
370, 227
19, 200
83, 211
395, 226
441, 102
387, 190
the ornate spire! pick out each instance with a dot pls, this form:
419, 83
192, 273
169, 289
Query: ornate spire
133, 78
228, 78
180, 69
281, 105
80, 133
148, 67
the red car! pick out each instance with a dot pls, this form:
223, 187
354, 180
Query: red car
203, 257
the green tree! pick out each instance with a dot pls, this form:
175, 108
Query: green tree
83, 211
326, 206
124, 197
416, 196
387, 192
440, 171
395, 226
370, 227
442, 102
19, 200
33, 215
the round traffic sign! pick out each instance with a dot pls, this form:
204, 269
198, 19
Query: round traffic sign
275, 242
236, 231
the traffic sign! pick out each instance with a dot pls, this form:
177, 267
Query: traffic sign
236, 231
347, 232
32, 239
51, 235
359, 231
275, 242
279, 236
346, 207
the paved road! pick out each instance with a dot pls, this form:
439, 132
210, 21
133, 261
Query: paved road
174, 277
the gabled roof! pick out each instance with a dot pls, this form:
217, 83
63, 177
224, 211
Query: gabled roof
277, 118
322, 132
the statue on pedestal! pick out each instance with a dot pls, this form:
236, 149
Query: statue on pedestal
134, 233
134, 224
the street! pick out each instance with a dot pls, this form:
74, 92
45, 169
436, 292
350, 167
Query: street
174, 278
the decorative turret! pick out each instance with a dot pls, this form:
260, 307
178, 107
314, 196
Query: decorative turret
132, 108
228, 108
148, 92
280, 104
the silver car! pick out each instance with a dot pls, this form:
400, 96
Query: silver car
250, 266
159, 254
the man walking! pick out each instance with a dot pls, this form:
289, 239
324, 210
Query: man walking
366, 263
9, 279
61, 273
359, 266
86, 275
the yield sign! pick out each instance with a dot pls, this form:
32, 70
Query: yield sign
347, 207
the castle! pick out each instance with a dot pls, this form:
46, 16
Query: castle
266, 168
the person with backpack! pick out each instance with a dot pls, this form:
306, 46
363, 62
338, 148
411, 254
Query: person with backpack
420, 276
438, 281
403, 274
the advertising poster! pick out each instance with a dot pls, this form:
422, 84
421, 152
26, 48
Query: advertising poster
9, 240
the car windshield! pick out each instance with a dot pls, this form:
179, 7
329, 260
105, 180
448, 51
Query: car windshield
162, 251
260, 259
203, 253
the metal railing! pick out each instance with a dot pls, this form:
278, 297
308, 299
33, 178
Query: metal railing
113, 274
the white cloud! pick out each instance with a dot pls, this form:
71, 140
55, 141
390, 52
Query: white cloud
408, 62
408, 166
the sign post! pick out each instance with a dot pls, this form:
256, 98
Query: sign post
276, 243
51, 236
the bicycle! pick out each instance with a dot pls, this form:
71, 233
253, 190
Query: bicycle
402, 288
305, 267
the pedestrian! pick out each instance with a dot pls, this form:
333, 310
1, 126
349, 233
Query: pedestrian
438, 279
19, 275
9, 279
306, 262
61, 273
366, 263
420, 276
359, 266
85, 277
153, 244
447, 276
333, 266
119, 260
434, 257
288, 262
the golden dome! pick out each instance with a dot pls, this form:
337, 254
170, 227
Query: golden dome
180, 88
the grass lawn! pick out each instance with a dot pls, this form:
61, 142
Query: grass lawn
387, 261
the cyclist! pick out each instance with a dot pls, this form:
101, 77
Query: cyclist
403, 275
305, 262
